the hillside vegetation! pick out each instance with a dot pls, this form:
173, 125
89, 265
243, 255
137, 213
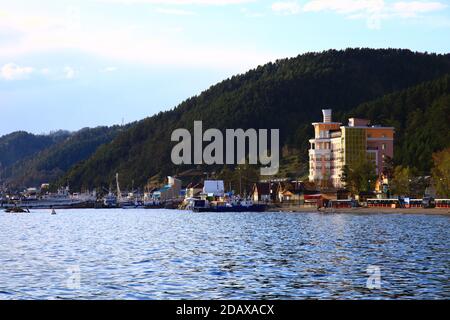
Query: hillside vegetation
421, 117
52, 161
287, 94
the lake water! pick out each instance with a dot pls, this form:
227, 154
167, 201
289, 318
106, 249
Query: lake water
170, 254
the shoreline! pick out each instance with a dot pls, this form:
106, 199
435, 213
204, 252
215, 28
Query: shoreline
312, 209
361, 210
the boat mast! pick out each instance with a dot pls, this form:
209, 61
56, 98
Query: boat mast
119, 193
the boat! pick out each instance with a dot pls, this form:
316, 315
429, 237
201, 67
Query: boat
227, 206
17, 210
110, 200
152, 204
130, 201
130, 204
60, 200
149, 202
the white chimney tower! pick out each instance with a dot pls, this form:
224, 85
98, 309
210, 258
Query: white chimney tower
326, 115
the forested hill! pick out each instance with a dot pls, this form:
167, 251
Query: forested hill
287, 94
51, 162
19, 145
421, 117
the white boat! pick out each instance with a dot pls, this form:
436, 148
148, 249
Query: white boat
61, 199
129, 201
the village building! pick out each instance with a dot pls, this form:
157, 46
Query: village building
194, 190
213, 188
171, 190
335, 146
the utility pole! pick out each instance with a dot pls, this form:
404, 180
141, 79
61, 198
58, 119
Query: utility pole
240, 181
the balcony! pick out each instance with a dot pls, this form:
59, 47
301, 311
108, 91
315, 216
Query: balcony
313, 152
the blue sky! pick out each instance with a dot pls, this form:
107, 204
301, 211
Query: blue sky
69, 64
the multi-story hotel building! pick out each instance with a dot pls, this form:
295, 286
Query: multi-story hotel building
335, 146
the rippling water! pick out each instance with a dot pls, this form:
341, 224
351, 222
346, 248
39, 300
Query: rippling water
169, 254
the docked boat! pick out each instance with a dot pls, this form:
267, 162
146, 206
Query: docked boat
130, 204
129, 201
110, 200
60, 200
17, 210
152, 204
235, 206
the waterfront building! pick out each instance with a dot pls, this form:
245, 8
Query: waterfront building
335, 145
194, 190
214, 188
169, 191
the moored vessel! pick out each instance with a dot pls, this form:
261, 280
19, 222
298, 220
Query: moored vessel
227, 206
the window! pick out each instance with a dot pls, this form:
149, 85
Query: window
383, 146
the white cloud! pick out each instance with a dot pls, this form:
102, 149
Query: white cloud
181, 2
176, 12
251, 14
413, 8
45, 71
374, 11
286, 7
151, 45
109, 69
344, 6
69, 72
12, 71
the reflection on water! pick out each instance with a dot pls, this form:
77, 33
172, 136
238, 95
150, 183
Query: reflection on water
169, 254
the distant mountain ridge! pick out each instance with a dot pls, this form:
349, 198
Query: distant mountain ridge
20, 144
52, 160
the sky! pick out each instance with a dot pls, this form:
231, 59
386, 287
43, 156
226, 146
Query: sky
69, 64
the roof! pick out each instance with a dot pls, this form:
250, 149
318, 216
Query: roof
198, 186
297, 187
191, 172
194, 185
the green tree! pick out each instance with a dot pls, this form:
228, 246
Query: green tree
388, 167
441, 172
360, 177
244, 177
401, 182
228, 178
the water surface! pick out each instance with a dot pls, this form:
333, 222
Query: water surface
170, 254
